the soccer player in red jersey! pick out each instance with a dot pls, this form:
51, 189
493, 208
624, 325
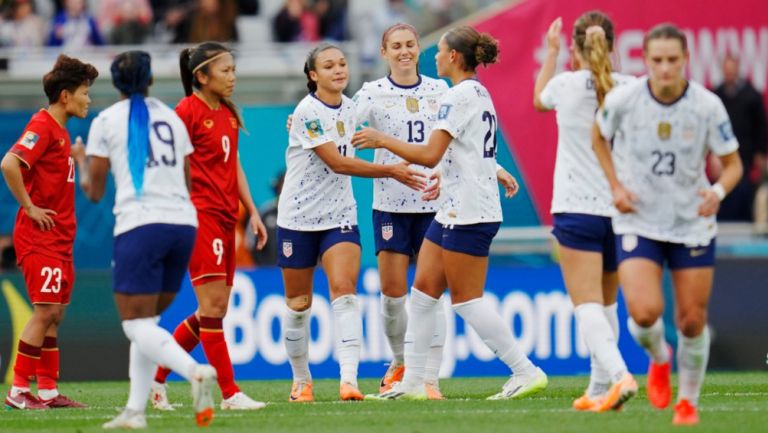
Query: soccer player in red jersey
40, 174
218, 185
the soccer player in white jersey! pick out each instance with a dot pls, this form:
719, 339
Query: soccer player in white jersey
147, 147
662, 127
581, 202
457, 242
317, 218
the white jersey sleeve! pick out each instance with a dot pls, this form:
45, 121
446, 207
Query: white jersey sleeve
165, 197
551, 93
609, 116
720, 137
312, 129
364, 103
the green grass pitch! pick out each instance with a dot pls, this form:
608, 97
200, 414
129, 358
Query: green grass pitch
731, 402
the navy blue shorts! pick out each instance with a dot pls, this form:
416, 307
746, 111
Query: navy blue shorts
677, 256
299, 249
472, 239
152, 258
400, 232
587, 233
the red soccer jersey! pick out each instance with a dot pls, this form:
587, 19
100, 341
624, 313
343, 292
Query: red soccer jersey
214, 163
49, 178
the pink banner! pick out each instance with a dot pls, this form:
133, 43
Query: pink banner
714, 28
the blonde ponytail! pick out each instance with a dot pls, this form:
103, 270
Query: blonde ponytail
596, 51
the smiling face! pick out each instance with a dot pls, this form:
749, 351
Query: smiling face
331, 72
665, 59
401, 50
76, 103
220, 77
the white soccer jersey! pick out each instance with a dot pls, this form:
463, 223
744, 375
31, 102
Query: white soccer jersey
471, 195
164, 198
314, 197
579, 186
408, 114
659, 154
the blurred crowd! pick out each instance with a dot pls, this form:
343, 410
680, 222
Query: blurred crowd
74, 24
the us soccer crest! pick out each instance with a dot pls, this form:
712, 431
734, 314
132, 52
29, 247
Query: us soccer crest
314, 129
387, 231
665, 130
340, 128
287, 248
412, 104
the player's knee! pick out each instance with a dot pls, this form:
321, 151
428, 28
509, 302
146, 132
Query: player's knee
393, 289
49, 316
214, 308
646, 317
691, 323
299, 303
343, 286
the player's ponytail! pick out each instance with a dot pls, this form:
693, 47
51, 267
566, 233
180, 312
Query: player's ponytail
186, 73
309, 64
475, 48
593, 37
132, 76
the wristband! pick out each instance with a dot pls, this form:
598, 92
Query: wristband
719, 191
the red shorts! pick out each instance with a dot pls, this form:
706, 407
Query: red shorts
213, 257
49, 280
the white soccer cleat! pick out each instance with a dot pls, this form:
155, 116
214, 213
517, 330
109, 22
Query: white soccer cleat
399, 391
203, 381
128, 419
240, 401
159, 396
522, 385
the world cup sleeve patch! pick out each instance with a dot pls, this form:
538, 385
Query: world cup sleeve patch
314, 128
726, 131
29, 139
444, 110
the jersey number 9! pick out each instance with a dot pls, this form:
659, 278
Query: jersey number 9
218, 249
225, 146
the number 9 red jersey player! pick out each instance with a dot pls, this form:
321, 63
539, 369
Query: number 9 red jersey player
218, 185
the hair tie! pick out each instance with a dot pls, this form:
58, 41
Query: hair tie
595, 29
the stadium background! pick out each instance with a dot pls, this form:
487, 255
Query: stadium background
523, 278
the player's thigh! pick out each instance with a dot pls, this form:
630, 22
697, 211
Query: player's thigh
393, 273
693, 288
641, 280
297, 283
610, 287
136, 306
465, 275
341, 264
583, 274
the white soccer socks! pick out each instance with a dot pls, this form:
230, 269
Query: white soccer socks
158, 345
651, 339
296, 339
348, 325
435, 357
395, 324
600, 339
418, 337
692, 358
496, 334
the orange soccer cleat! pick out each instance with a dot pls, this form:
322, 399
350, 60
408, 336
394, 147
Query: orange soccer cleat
349, 392
394, 374
585, 402
433, 391
301, 392
659, 389
617, 394
685, 414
